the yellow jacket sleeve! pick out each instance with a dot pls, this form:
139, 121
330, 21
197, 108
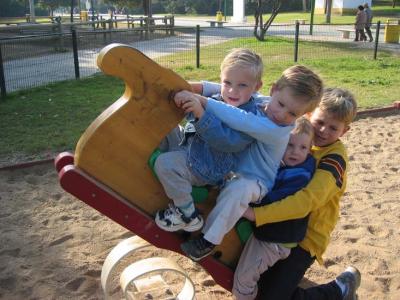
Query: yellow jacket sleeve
320, 189
327, 185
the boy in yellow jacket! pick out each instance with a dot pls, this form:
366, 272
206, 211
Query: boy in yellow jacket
320, 200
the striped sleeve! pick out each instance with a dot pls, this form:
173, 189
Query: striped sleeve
336, 165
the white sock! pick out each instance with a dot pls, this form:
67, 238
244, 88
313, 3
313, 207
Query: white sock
342, 286
187, 210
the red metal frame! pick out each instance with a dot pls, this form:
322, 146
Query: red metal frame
103, 199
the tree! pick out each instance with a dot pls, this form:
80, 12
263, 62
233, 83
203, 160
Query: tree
131, 4
51, 5
147, 7
12, 8
304, 4
328, 11
175, 7
260, 28
72, 11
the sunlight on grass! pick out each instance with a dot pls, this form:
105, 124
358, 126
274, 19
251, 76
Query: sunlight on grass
53, 117
345, 66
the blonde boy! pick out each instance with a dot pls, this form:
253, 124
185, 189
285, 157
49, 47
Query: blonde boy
297, 91
198, 157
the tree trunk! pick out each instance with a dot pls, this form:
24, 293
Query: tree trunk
304, 5
147, 8
72, 11
328, 11
260, 28
32, 17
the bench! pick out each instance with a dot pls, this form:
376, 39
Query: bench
346, 32
219, 23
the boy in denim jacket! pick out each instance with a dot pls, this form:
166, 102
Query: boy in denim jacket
297, 91
200, 159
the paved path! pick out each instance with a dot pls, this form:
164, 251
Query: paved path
37, 71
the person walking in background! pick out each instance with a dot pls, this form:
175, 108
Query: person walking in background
361, 20
368, 12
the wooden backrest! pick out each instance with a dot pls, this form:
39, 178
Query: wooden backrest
115, 148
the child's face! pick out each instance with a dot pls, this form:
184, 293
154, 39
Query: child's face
284, 107
327, 129
237, 85
297, 149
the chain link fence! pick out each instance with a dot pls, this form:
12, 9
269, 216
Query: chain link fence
62, 53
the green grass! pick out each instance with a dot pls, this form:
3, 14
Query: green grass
23, 20
374, 82
290, 17
53, 117
382, 11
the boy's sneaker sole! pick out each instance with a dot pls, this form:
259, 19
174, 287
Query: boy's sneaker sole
188, 248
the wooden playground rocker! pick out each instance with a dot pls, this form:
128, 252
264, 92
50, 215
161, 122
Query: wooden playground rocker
110, 172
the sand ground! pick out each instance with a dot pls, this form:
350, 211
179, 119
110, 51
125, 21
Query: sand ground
53, 245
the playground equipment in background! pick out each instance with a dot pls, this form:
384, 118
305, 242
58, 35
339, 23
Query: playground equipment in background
110, 170
392, 31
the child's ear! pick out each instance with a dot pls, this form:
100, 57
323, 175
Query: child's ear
345, 130
258, 85
273, 89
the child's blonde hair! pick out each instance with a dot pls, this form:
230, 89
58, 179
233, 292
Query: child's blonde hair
303, 82
340, 103
303, 125
245, 58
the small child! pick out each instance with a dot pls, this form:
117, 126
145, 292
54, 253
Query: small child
297, 91
200, 159
273, 242
320, 200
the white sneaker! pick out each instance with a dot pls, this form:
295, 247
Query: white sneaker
172, 219
351, 278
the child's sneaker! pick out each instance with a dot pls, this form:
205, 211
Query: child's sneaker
198, 248
351, 279
172, 219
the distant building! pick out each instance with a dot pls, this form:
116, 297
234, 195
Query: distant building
239, 15
340, 6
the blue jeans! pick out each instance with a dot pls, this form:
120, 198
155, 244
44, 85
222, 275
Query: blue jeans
280, 282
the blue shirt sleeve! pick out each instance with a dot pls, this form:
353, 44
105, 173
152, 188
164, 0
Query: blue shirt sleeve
289, 180
286, 187
258, 126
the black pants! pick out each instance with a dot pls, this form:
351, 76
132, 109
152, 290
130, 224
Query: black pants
360, 35
369, 33
280, 282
